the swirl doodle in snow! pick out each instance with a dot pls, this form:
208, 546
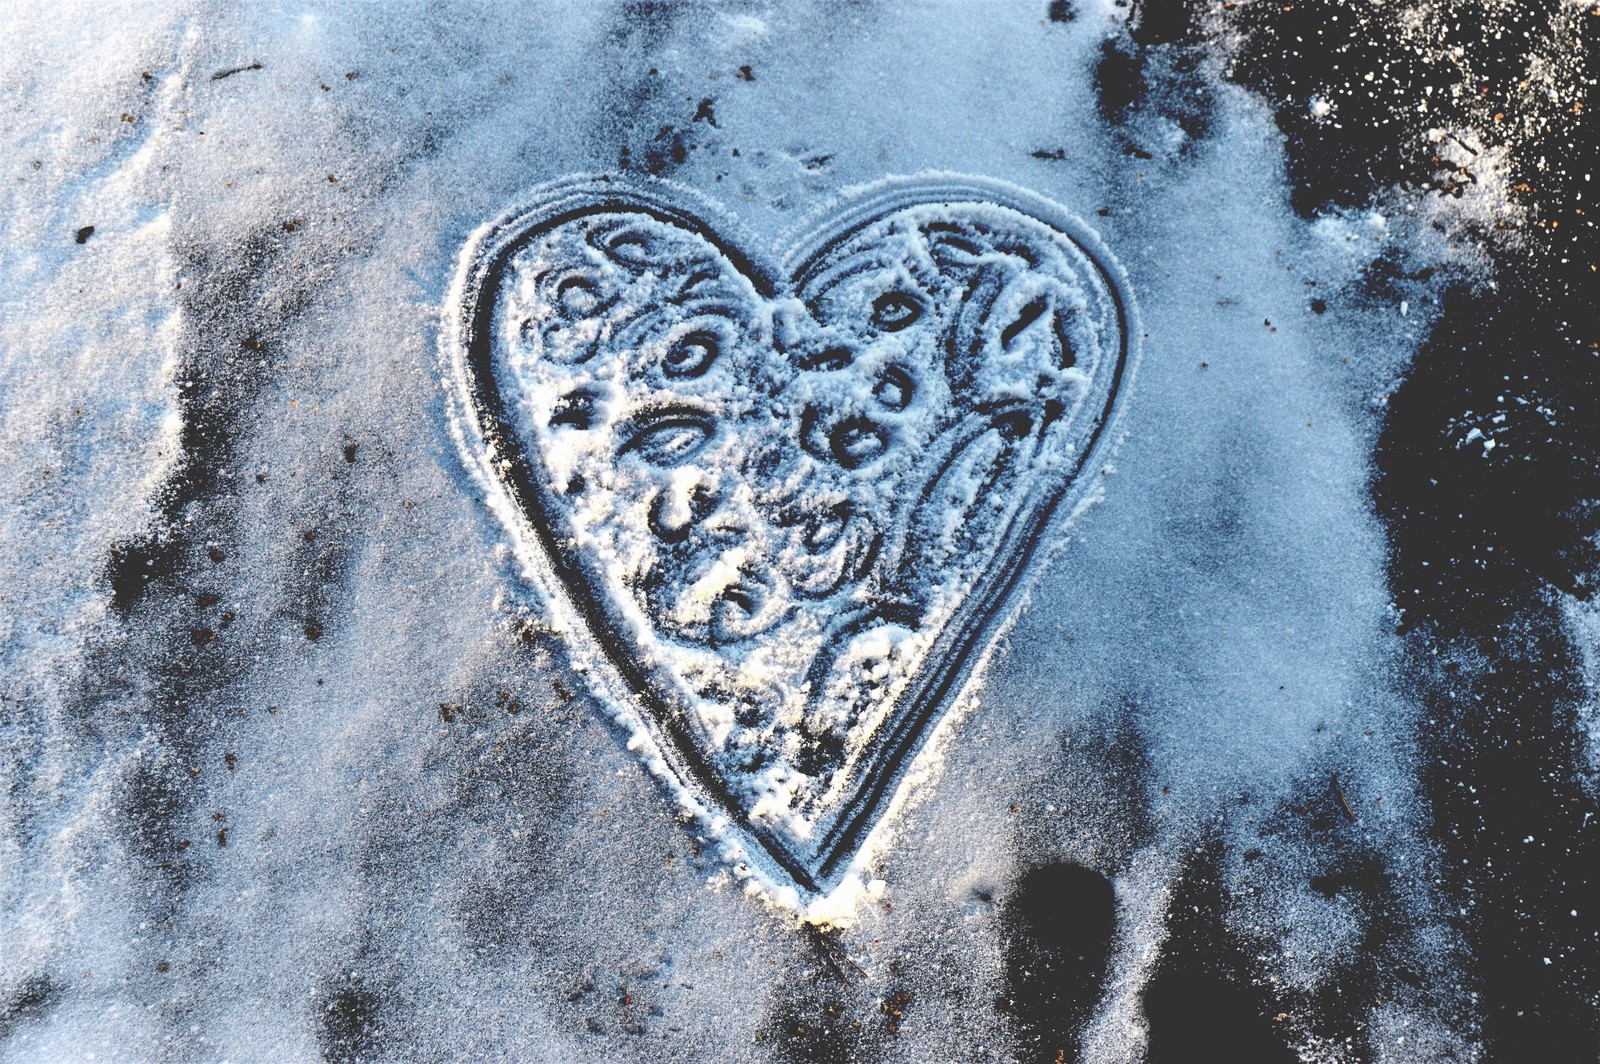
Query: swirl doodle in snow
785, 509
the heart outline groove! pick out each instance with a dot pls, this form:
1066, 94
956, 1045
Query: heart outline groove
687, 443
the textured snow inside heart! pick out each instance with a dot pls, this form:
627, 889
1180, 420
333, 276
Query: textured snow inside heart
790, 504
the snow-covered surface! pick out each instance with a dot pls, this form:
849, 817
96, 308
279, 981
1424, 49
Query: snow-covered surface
338, 764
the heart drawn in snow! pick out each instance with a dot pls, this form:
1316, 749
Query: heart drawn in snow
785, 507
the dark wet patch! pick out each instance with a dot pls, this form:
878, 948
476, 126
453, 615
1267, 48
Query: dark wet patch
1119, 81
348, 1024
1203, 999
1488, 474
1194, 1009
1059, 919
1154, 72
1487, 466
1474, 72
1518, 829
1360, 877
132, 567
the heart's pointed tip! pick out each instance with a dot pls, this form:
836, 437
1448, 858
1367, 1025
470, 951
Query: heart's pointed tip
824, 904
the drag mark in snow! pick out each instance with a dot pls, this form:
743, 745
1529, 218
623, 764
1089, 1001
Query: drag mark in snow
789, 506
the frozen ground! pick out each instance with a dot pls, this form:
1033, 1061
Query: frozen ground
297, 763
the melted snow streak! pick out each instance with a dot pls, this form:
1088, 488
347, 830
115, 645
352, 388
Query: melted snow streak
1291, 748
791, 516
